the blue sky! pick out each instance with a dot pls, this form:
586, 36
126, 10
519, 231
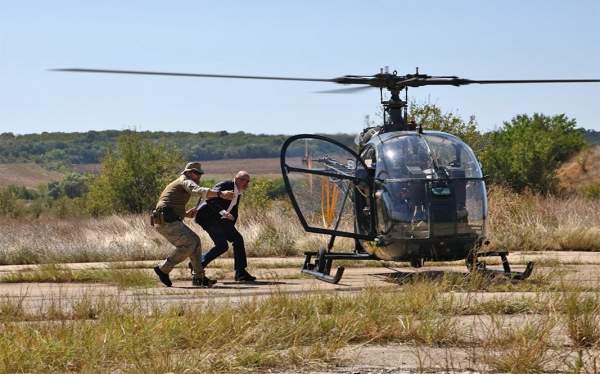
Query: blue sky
323, 39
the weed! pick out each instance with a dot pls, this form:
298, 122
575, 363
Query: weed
11, 308
518, 349
582, 318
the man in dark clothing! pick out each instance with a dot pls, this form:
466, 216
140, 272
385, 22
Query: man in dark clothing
218, 217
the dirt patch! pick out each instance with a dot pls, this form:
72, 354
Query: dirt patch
581, 170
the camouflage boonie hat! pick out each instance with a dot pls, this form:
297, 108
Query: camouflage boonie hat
193, 166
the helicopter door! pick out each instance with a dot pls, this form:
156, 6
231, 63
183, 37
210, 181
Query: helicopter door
324, 180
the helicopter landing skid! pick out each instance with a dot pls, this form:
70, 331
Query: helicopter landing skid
321, 267
474, 265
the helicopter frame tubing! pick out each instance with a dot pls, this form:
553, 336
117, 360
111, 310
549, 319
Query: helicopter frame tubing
323, 259
335, 174
475, 266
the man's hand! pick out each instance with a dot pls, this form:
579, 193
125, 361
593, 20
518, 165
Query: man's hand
227, 195
228, 216
191, 213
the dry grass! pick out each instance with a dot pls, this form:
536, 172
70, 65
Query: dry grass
281, 331
580, 171
517, 222
274, 232
529, 222
285, 332
518, 349
47, 240
582, 318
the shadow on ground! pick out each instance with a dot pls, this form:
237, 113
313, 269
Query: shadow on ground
256, 283
234, 285
407, 277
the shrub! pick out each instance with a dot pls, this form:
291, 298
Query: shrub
133, 175
591, 191
8, 202
526, 152
73, 185
264, 190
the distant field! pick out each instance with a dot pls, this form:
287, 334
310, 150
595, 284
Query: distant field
255, 166
32, 175
217, 169
26, 174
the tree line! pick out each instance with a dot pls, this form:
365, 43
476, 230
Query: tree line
57, 148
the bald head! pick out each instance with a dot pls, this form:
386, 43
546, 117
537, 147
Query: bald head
242, 174
242, 179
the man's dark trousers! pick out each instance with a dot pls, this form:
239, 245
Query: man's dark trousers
222, 230
221, 233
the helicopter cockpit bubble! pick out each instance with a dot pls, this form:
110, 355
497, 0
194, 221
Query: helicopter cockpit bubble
430, 185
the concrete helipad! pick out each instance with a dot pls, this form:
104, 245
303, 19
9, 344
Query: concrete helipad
275, 275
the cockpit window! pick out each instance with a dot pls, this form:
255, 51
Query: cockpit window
427, 156
404, 157
453, 156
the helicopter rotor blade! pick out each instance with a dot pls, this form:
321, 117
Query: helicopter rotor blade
388, 81
348, 90
172, 74
517, 81
460, 81
416, 81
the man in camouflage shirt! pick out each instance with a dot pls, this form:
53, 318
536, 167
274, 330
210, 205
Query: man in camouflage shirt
168, 220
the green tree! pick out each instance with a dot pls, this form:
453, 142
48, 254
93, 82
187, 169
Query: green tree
264, 190
431, 117
132, 176
526, 152
75, 185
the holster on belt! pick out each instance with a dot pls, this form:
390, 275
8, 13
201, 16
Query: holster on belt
163, 215
157, 217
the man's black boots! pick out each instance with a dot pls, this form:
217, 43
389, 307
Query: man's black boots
244, 276
203, 281
164, 277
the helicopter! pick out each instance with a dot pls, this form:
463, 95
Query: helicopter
404, 194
